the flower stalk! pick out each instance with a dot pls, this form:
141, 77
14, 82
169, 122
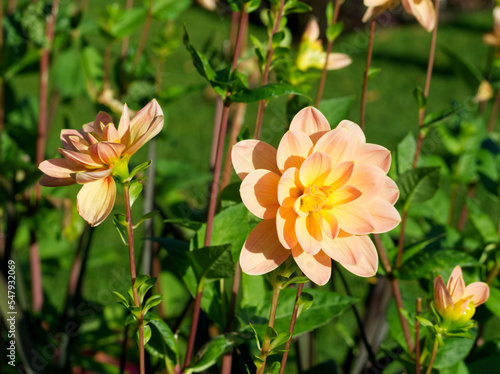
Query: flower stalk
373, 24
264, 352
417, 336
435, 347
292, 326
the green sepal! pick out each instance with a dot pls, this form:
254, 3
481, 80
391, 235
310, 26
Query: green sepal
121, 226
146, 217
140, 168
418, 93
280, 339
135, 189
333, 31
304, 302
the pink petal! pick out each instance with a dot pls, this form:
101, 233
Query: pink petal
154, 128
369, 3
344, 195
293, 149
250, 155
315, 169
339, 251
389, 191
110, 133
337, 144
259, 192
48, 181
311, 31
368, 179
424, 12
338, 61
479, 292
102, 119
60, 168
329, 224
85, 159
262, 251
310, 121
339, 175
92, 176
373, 154
285, 224
96, 200
317, 268
124, 125
146, 124
357, 134
385, 216
289, 188
365, 255
456, 284
65, 139
107, 151
442, 297
354, 219
309, 233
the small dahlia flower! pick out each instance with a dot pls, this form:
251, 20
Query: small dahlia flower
455, 302
97, 154
312, 55
319, 196
422, 10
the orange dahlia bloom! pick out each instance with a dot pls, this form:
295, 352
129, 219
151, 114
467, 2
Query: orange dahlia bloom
97, 154
319, 194
455, 302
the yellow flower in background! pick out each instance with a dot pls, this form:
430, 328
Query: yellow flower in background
455, 302
493, 38
422, 10
312, 55
96, 154
319, 194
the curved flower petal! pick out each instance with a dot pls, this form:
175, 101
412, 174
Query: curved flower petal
338, 144
289, 188
152, 130
259, 192
442, 297
60, 168
456, 284
344, 195
285, 224
339, 175
311, 32
85, 159
364, 252
479, 292
68, 143
293, 149
250, 155
385, 216
338, 61
107, 151
358, 136
102, 119
389, 191
317, 268
311, 121
424, 12
309, 233
124, 125
315, 169
339, 251
354, 219
142, 124
373, 154
369, 3
369, 179
96, 200
92, 176
110, 133
262, 251
329, 224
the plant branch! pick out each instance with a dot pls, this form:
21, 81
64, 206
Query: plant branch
291, 328
417, 337
433, 356
144, 35
264, 352
373, 24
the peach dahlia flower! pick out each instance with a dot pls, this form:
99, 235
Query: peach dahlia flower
455, 302
96, 154
319, 194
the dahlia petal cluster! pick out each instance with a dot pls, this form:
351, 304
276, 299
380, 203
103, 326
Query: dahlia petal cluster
96, 154
319, 196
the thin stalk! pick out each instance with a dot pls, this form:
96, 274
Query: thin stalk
265, 75
214, 189
494, 112
123, 52
144, 35
106, 85
290, 329
272, 315
133, 274
433, 356
395, 290
421, 118
236, 126
36, 274
373, 24
328, 51
417, 337
11, 6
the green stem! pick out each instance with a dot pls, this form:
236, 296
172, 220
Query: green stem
292, 326
133, 274
264, 352
417, 337
433, 356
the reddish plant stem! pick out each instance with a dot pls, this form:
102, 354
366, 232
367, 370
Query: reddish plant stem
214, 191
133, 273
235, 130
36, 274
395, 290
219, 106
272, 315
123, 52
433, 356
11, 6
401, 240
265, 75
329, 45
144, 35
292, 326
417, 337
373, 24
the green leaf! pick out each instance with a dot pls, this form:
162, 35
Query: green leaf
93, 65
458, 368
493, 302
464, 69
278, 38
280, 339
163, 343
466, 171
418, 185
482, 222
128, 21
200, 62
211, 263
145, 287
304, 302
140, 168
405, 153
418, 93
336, 109
146, 331
68, 74
454, 350
438, 117
432, 262
122, 298
373, 72
153, 301
295, 280
165, 10
121, 226
246, 95
274, 368
135, 190
210, 353
424, 321
146, 217
141, 279
329, 13
333, 31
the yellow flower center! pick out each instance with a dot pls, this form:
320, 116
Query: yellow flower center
315, 199
457, 314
